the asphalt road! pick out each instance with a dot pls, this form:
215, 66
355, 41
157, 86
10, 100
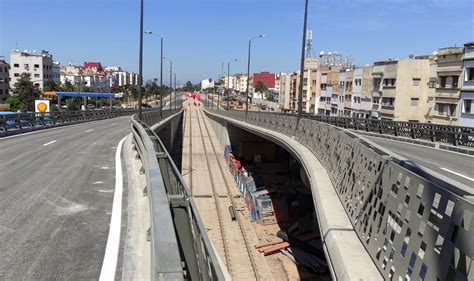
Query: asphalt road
453, 165
56, 193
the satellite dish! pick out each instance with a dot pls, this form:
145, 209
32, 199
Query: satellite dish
321, 53
411, 56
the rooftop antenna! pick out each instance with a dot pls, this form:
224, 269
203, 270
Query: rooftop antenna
309, 43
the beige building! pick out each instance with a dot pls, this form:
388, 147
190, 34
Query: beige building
38, 65
403, 89
285, 81
444, 101
4, 80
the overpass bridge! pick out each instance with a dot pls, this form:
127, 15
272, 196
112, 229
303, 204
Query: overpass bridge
381, 210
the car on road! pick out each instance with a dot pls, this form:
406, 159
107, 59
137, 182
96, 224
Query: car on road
90, 106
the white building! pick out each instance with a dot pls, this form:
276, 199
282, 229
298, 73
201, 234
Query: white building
466, 117
38, 65
207, 83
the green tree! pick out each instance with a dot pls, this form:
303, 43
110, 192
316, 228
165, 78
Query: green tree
68, 86
260, 87
14, 103
26, 92
51, 86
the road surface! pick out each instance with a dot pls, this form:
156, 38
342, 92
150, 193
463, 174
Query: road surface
56, 194
457, 166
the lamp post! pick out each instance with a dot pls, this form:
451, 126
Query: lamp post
228, 81
140, 64
248, 72
175, 105
161, 71
171, 81
300, 96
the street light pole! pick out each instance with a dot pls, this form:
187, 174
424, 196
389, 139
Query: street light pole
171, 81
248, 73
140, 64
175, 105
300, 96
228, 82
161, 70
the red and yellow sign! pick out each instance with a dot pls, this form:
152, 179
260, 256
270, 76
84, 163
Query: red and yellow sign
41, 106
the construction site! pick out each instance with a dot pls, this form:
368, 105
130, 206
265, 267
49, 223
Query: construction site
255, 202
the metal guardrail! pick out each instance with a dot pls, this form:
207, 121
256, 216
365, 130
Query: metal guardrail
21, 121
454, 135
180, 247
414, 223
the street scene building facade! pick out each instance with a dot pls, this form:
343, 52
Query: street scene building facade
435, 88
4, 80
38, 65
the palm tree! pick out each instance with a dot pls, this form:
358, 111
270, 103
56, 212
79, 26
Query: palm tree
260, 87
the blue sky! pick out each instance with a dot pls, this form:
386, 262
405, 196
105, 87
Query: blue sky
201, 34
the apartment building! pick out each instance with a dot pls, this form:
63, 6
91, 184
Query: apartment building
38, 65
4, 80
241, 83
362, 98
285, 81
399, 87
333, 82
324, 102
466, 117
445, 101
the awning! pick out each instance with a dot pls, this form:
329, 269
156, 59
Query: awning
80, 94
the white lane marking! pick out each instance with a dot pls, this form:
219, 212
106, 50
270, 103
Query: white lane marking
90, 130
104, 168
113, 124
98, 182
48, 143
457, 174
113, 241
105, 191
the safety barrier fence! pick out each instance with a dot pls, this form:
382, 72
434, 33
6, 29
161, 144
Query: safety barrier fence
180, 246
413, 222
28, 121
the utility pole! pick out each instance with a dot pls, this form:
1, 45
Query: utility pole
300, 96
175, 105
171, 81
140, 64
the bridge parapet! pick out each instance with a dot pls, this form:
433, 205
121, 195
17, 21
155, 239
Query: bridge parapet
180, 246
413, 222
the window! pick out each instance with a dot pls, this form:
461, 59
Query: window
389, 82
1, 69
467, 106
414, 101
469, 74
376, 100
16, 65
16, 74
442, 81
37, 75
416, 81
26, 66
454, 84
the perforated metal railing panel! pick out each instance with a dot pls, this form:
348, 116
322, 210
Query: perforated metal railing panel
412, 228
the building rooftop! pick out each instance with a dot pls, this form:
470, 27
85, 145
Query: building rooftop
26, 53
